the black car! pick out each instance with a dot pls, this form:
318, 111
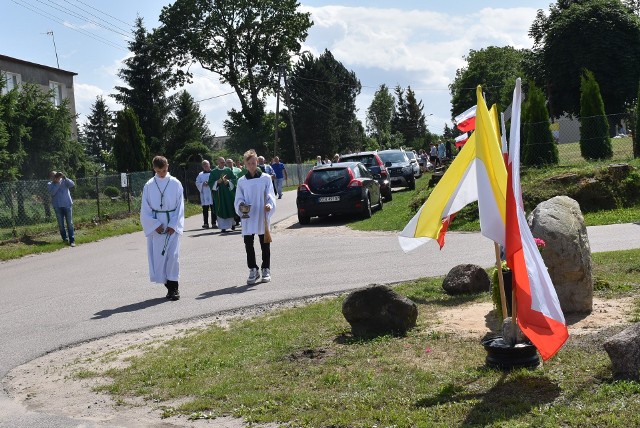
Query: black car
399, 167
376, 167
341, 188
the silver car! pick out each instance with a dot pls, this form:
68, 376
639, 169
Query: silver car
413, 158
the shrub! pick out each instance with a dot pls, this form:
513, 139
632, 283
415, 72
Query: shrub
111, 191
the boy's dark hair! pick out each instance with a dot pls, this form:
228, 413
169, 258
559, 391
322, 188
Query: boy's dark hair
159, 162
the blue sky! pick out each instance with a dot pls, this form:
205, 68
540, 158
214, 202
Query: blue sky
408, 43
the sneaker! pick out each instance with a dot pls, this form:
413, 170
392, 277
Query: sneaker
175, 295
254, 276
73, 244
266, 275
205, 226
279, 196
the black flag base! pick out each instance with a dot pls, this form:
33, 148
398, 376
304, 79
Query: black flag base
502, 356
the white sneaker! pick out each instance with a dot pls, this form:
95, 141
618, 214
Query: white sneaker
266, 275
254, 276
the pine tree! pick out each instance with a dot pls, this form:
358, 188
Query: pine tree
99, 131
146, 89
539, 147
408, 119
129, 148
636, 137
187, 125
595, 142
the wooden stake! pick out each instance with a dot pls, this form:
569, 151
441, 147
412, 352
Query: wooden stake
503, 297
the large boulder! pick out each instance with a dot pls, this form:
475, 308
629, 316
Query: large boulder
378, 310
466, 278
559, 222
624, 352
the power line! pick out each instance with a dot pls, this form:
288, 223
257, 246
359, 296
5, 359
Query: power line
127, 29
44, 14
66, 10
216, 96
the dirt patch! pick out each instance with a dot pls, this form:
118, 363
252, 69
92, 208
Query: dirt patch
63, 382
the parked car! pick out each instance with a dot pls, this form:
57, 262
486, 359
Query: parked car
413, 158
376, 167
341, 188
399, 167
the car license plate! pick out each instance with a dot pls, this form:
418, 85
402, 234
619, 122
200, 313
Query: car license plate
329, 199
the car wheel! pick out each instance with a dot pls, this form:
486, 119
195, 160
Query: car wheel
367, 208
389, 196
412, 185
380, 201
303, 219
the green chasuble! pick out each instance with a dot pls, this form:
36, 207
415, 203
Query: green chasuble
223, 197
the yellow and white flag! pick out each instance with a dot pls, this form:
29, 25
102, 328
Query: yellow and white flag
478, 174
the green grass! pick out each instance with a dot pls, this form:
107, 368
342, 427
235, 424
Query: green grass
46, 238
302, 367
397, 213
569, 154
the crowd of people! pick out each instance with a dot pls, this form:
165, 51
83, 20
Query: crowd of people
233, 194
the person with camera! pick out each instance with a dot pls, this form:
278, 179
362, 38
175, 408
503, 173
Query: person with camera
61, 200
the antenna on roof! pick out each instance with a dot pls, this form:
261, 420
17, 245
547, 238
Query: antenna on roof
50, 33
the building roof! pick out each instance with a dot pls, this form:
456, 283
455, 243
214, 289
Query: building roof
33, 64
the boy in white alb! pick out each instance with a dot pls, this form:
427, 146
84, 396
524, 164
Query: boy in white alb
255, 189
162, 218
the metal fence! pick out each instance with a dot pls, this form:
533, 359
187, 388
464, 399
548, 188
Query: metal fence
25, 206
26, 211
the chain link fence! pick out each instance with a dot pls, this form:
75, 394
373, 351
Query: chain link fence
25, 206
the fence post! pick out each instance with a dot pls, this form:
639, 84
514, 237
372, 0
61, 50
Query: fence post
98, 197
129, 191
13, 213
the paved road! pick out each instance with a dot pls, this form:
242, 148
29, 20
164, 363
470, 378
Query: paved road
73, 295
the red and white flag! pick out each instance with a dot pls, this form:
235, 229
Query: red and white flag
538, 309
466, 121
461, 139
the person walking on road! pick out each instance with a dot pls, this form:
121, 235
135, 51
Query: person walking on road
162, 219
206, 197
62, 204
256, 191
280, 171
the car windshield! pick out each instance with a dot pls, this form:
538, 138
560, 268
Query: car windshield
393, 157
366, 160
410, 155
326, 178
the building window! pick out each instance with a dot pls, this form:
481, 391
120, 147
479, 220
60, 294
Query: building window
56, 94
10, 81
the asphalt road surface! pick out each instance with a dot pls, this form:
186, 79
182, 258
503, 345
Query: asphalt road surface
58, 299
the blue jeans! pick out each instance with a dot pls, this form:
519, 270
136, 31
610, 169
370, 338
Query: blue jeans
62, 214
279, 182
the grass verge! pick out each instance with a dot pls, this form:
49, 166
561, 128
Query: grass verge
301, 367
49, 240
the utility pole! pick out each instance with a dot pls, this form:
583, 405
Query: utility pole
50, 33
275, 143
293, 130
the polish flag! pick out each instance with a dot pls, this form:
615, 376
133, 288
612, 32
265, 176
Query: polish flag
461, 139
538, 309
467, 120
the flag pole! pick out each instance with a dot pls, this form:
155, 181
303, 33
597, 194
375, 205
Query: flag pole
503, 297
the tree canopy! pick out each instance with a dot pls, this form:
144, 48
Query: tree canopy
323, 101
243, 41
187, 125
129, 148
408, 119
379, 115
600, 35
495, 68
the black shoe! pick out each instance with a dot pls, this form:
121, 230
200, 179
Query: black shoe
175, 295
205, 226
223, 230
168, 296
233, 227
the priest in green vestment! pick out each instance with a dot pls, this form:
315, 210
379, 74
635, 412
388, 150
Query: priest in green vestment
222, 182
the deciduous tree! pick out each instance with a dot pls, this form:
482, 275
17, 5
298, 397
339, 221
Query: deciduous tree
379, 115
600, 35
242, 41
